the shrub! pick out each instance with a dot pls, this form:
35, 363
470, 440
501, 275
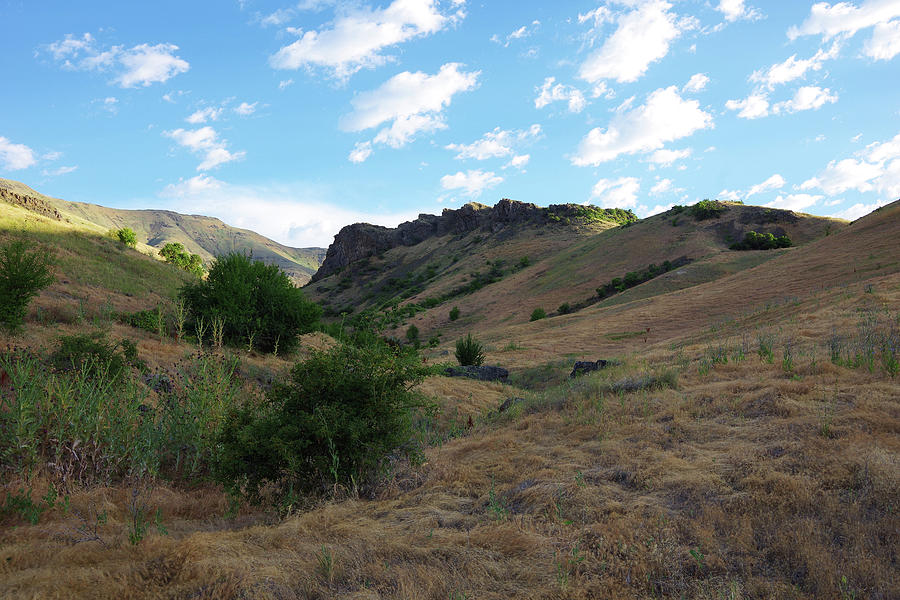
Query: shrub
93, 354
762, 241
338, 420
175, 254
253, 299
454, 313
564, 308
538, 314
127, 236
412, 334
469, 351
23, 273
707, 209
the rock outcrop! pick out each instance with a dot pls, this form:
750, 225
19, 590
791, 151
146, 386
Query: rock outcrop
360, 240
31, 203
482, 373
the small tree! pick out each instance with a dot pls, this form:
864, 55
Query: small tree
127, 236
412, 334
454, 313
175, 254
469, 351
538, 314
23, 273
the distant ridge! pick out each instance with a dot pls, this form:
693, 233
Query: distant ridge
207, 236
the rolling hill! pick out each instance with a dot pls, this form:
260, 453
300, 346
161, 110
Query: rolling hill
206, 236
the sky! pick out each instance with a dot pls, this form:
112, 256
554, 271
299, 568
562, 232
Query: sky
294, 119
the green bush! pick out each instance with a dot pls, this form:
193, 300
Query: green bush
707, 209
23, 273
343, 414
95, 355
454, 313
564, 308
538, 314
469, 351
127, 236
762, 241
412, 334
175, 254
254, 300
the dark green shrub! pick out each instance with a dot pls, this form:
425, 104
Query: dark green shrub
23, 273
762, 241
431, 302
175, 254
412, 334
434, 341
469, 351
148, 320
254, 299
564, 308
524, 262
454, 313
538, 314
338, 420
707, 209
93, 353
127, 236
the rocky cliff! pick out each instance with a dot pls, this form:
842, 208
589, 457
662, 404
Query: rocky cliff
360, 240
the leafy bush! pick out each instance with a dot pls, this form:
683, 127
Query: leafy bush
412, 334
127, 236
633, 278
469, 351
707, 209
338, 420
95, 355
175, 254
538, 314
762, 241
454, 313
254, 300
23, 273
564, 308
151, 320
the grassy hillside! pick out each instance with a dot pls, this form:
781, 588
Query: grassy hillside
205, 236
746, 445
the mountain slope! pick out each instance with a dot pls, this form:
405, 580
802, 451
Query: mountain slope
207, 236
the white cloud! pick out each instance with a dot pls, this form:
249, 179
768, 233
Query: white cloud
754, 106
642, 36
664, 186
411, 102
210, 113
58, 171
665, 117
205, 142
885, 41
472, 183
357, 36
806, 98
299, 215
775, 182
246, 109
285, 83
552, 93
735, 10
361, 151
138, 66
697, 83
519, 161
830, 20
875, 169
857, 210
522, 32
666, 157
794, 68
495, 144
796, 202
620, 193
15, 157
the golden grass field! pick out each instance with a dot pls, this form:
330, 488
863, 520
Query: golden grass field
747, 479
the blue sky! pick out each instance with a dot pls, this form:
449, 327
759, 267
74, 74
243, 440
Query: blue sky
296, 118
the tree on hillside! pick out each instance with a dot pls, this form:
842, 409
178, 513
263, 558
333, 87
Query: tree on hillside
23, 273
175, 254
255, 300
127, 236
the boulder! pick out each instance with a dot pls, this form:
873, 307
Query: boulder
582, 367
483, 373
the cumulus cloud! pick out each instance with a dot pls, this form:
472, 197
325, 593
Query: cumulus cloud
844, 18
794, 68
664, 186
472, 183
519, 161
666, 157
15, 157
246, 109
806, 98
210, 113
774, 182
358, 35
620, 193
361, 151
754, 106
796, 202
665, 117
549, 93
873, 169
697, 83
522, 32
642, 36
736, 10
299, 215
411, 103
138, 66
206, 143
885, 41
498, 143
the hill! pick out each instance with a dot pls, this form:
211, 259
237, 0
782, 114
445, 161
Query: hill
206, 236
